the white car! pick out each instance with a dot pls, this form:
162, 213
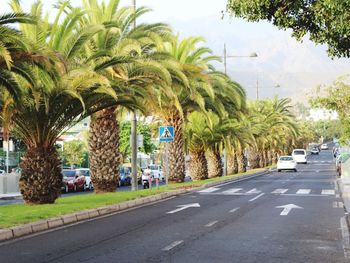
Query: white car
300, 156
286, 163
86, 173
157, 172
324, 146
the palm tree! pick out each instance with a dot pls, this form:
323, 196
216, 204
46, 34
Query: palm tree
193, 62
126, 56
52, 98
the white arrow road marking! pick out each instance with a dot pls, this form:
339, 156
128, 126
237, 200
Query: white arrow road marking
232, 191
288, 208
211, 223
183, 207
256, 197
327, 192
209, 190
234, 210
254, 191
172, 245
304, 191
279, 191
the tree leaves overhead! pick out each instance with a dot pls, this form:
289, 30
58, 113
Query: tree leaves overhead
324, 21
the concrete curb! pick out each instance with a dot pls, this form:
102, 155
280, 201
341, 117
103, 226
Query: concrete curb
39, 226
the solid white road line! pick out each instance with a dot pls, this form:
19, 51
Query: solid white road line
211, 223
328, 192
253, 191
232, 190
172, 245
256, 197
234, 210
279, 191
303, 191
209, 190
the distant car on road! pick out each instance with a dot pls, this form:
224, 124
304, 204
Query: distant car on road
324, 146
314, 150
300, 156
286, 163
72, 181
124, 176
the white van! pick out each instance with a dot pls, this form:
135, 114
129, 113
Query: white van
299, 155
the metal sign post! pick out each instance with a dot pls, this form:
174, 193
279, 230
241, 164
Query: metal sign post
166, 134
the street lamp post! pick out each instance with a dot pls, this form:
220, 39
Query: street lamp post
134, 184
252, 55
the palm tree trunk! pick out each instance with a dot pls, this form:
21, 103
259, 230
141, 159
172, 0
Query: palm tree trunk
104, 151
261, 159
41, 177
198, 165
254, 159
214, 164
230, 163
269, 157
265, 158
241, 160
176, 149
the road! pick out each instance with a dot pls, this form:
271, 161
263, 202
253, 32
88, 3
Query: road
279, 217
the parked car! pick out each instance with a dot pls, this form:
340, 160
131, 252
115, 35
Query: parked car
2, 171
314, 150
324, 146
300, 156
157, 172
86, 173
124, 176
72, 181
286, 163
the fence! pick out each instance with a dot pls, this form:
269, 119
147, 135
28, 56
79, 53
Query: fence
12, 161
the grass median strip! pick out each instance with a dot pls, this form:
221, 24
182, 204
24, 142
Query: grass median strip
17, 214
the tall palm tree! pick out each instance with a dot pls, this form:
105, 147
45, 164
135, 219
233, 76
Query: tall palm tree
126, 55
193, 60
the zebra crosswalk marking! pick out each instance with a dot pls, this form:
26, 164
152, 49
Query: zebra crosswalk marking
253, 191
327, 192
279, 191
209, 190
303, 191
232, 191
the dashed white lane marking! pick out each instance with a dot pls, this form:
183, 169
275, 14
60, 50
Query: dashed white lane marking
172, 245
303, 191
234, 210
327, 192
279, 191
232, 191
335, 204
211, 223
209, 190
253, 191
256, 197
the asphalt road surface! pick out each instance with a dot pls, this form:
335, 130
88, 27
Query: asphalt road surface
279, 217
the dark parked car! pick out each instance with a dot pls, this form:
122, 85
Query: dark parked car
124, 176
72, 181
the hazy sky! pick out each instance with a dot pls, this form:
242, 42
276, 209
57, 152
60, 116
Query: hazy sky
296, 67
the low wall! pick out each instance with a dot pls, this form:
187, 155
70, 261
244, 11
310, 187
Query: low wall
9, 183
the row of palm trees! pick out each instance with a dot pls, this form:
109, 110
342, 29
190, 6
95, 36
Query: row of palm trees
92, 61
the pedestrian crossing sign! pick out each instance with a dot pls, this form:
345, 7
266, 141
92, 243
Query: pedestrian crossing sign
166, 133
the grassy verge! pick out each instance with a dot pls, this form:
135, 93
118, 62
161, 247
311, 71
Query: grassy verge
12, 215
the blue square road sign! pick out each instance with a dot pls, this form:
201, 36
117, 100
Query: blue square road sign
166, 133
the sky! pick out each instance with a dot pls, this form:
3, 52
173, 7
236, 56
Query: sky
294, 68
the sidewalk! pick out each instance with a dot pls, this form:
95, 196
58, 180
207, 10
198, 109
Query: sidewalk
10, 196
